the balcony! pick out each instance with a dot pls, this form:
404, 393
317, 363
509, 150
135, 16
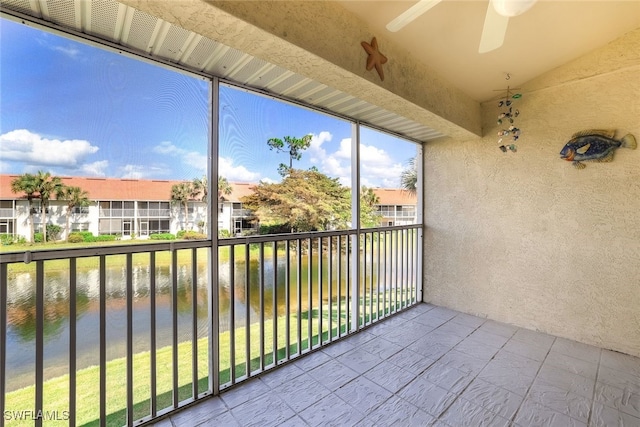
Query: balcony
242, 213
122, 335
154, 213
7, 213
433, 366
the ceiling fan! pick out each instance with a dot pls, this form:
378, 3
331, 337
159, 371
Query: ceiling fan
495, 21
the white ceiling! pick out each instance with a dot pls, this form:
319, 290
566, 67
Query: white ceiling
551, 33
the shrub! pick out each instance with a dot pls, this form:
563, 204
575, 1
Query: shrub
38, 238
105, 238
6, 239
224, 234
162, 236
192, 235
180, 234
75, 238
53, 231
275, 229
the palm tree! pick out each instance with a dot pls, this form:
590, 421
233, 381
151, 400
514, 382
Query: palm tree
47, 186
409, 177
180, 195
26, 184
75, 197
224, 188
200, 188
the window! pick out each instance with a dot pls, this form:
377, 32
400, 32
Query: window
81, 209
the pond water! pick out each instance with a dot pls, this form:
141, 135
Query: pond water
21, 309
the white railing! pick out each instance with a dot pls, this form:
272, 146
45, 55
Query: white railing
154, 213
148, 328
7, 213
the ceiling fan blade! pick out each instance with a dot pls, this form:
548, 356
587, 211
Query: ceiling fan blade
494, 30
410, 14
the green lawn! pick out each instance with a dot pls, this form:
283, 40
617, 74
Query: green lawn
87, 389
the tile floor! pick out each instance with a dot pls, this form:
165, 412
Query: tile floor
434, 366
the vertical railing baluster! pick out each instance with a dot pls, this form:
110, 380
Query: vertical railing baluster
371, 279
287, 298
73, 284
412, 263
152, 341
194, 322
4, 289
247, 306
232, 314
275, 303
299, 294
348, 286
310, 296
129, 293
363, 281
320, 279
339, 287
378, 274
395, 270
386, 272
261, 292
103, 340
174, 321
38, 407
330, 288
401, 272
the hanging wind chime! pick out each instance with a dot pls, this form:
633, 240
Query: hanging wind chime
507, 116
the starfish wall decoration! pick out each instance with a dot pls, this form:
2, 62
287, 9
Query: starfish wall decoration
375, 59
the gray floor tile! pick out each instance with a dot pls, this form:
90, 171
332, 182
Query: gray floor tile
497, 400
476, 348
457, 329
331, 411
447, 377
617, 398
224, 419
294, 421
562, 401
529, 350
363, 394
468, 320
604, 416
534, 414
487, 337
411, 361
427, 396
333, 374
200, 412
443, 313
621, 362
397, 412
575, 349
508, 378
498, 328
429, 349
572, 364
390, 376
242, 393
360, 338
534, 337
463, 362
566, 380
526, 366
267, 410
301, 392
340, 347
464, 413
620, 379
281, 375
429, 320
359, 360
310, 361
381, 347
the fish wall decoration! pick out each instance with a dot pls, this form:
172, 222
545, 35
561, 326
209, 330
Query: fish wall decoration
595, 145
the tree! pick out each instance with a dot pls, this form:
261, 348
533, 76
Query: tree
199, 188
26, 184
409, 177
180, 195
294, 146
224, 188
75, 197
369, 215
305, 200
47, 186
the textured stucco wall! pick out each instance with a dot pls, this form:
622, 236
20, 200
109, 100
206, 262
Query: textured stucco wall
527, 239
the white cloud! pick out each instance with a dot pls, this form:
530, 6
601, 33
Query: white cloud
69, 51
95, 169
24, 146
316, 152
193, 159
140, 171
235, 173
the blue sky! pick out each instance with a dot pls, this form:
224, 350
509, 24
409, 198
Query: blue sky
78, 110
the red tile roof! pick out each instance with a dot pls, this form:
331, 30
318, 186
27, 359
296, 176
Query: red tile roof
157, 190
